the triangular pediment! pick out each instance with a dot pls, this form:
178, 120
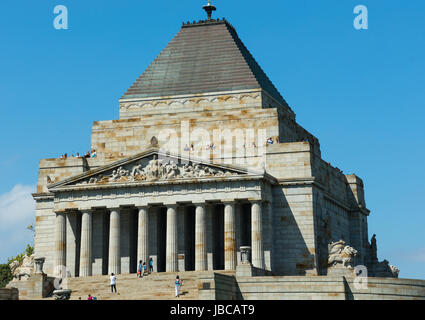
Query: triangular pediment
152, 166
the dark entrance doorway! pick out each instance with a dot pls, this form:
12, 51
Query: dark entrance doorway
218, 237
189, 238
161, 239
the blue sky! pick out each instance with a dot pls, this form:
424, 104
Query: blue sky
360, 92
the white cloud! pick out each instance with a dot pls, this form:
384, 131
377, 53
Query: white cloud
17, 211
17, 207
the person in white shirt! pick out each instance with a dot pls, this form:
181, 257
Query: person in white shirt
178, 283
113, 283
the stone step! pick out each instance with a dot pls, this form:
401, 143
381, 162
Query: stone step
159, 286
136, 289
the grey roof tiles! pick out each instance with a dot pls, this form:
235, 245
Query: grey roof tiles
203, 57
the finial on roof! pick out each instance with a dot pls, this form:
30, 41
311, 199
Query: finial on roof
209, 8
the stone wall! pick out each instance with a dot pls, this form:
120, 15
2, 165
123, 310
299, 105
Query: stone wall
9, 294
216, 286
44, 240
221, 287
387, 289
54, 170
36, 287
125, 137
293, 231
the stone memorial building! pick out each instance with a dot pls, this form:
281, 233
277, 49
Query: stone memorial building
206, 160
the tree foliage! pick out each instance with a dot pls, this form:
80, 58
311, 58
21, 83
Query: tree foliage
29, 250
5, 275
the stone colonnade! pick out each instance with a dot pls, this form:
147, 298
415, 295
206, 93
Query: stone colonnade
203, 234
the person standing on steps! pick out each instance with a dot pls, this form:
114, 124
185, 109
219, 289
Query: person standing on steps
150, 265
145, 269
113, 283
140, 269
178, 284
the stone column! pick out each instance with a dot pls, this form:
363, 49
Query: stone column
257, 235
209, 235
114, 264
73, 231
86, 244
60, 245
200, 238
229, 236
143, 236
171, 249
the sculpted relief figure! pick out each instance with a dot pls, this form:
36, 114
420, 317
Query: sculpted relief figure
138, 173
171, 171
341, 255
199, 171
118, 174
153, 169
187, 170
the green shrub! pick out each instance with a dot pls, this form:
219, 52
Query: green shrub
29, 250
20, 258
5, 275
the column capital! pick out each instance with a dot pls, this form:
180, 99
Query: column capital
228, 201
255, 201
199, 203
171, 205
86, 210
145, 207
114, 209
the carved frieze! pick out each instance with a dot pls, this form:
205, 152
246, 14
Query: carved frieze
185, 101
154, 170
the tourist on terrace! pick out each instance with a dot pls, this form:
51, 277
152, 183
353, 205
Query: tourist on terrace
178, 284
150, 265
140, 269
145, 269
113, 283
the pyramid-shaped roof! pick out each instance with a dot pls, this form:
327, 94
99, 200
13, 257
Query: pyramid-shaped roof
203, 57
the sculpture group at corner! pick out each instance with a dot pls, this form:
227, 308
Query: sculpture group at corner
342, 255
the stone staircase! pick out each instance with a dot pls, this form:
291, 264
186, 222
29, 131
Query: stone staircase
156, 286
